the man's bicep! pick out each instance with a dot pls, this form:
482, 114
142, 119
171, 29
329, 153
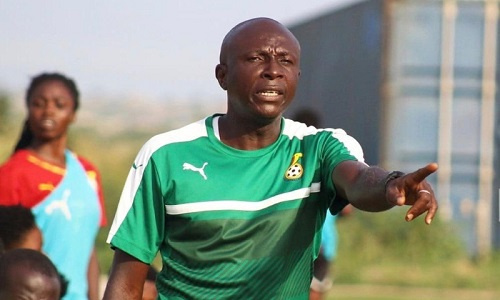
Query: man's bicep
127, 277
139, 224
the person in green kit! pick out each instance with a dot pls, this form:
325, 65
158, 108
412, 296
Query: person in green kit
235, 202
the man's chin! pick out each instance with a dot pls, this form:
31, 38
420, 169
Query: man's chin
268, 117
270, 111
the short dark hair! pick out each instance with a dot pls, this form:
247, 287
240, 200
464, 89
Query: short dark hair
34, 260
15, 221
2, 247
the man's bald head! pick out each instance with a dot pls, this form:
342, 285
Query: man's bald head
256, 26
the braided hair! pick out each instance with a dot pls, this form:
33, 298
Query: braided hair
26, 134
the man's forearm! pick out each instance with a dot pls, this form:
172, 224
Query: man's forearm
368, 190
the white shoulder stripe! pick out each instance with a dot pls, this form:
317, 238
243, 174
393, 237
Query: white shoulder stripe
350, 143
184, 134
206, 206
294, 129
187, 133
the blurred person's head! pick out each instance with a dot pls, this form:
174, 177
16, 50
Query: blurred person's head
52, 100
28, 275
18, 228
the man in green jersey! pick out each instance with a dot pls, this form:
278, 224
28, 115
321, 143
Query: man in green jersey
235, 203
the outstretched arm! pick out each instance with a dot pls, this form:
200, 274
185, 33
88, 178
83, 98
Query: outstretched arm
127, 277
372, 189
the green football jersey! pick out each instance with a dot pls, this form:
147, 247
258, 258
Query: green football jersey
229, 223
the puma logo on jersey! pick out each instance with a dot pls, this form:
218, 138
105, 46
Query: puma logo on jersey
188, 166
136, 166
295, 170
61, 205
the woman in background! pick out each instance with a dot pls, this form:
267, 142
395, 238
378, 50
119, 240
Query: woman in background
62, 189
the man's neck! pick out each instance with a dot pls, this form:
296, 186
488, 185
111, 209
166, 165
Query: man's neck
245, 136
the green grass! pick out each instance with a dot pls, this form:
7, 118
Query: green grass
383, 249
383, 292
383, 257
380, 255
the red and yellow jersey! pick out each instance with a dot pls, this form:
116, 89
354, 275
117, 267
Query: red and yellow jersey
27, 180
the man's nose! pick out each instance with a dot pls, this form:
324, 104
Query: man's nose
273, 70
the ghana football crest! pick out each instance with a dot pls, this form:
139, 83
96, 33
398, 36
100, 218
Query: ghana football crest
295, 170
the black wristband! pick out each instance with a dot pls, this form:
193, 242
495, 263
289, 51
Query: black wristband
391, 176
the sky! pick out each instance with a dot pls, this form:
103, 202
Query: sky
149, 49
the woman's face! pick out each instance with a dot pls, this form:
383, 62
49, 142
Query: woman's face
51, 109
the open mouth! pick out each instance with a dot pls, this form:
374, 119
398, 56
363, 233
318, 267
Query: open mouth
270, 93
47, 123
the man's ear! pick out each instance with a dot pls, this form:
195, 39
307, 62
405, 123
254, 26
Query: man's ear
220, 74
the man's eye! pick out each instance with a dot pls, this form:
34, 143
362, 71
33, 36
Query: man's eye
254, 58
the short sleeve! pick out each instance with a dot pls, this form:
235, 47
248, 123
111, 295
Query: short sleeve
337, 148
138, 226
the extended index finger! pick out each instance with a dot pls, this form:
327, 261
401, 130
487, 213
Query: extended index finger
420, 174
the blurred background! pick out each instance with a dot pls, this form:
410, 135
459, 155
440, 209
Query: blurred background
414, 81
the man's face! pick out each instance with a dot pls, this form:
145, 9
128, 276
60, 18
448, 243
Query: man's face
260, 70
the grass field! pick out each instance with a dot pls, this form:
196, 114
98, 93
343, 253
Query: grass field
380, 255
383, 292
